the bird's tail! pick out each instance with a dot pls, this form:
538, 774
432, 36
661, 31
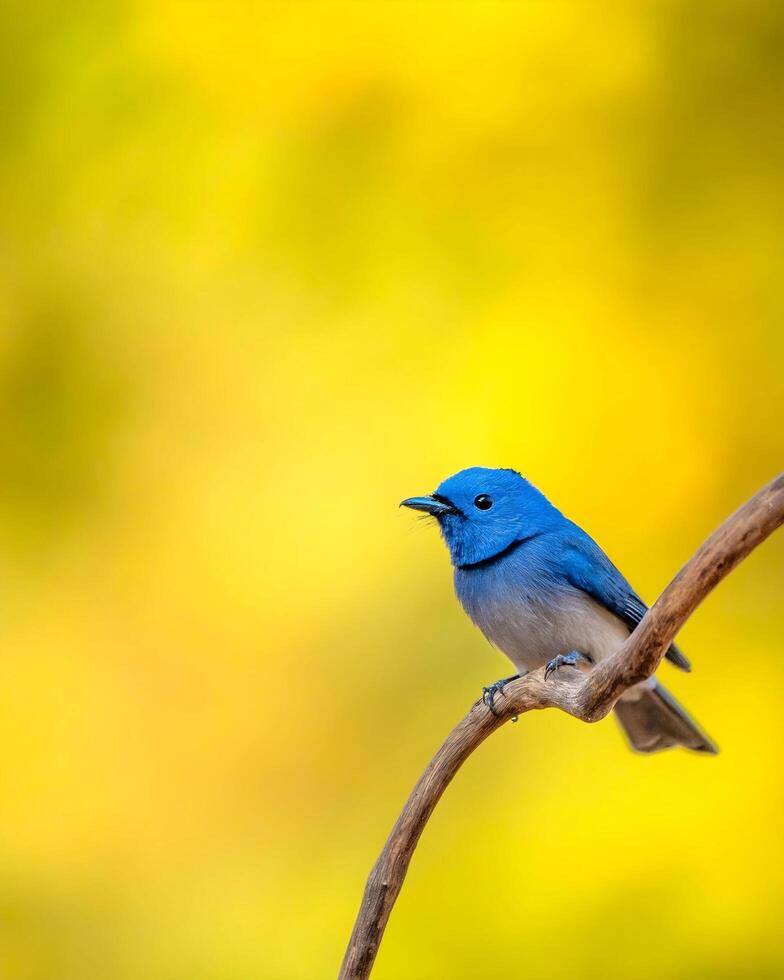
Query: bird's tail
652, 720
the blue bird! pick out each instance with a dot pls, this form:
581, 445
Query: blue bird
543, 592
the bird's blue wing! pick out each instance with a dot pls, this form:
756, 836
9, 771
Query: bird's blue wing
587, 568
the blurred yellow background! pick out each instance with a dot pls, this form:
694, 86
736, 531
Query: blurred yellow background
267, 268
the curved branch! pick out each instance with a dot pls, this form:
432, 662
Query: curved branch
588, 697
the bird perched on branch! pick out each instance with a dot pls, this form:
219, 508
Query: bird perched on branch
542, 591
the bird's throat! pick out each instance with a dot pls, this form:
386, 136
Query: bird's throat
503, 553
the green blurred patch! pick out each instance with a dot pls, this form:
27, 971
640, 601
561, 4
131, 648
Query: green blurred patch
62, 396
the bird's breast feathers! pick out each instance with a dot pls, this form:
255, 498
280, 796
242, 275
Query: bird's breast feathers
532, 622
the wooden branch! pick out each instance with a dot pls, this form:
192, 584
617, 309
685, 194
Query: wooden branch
589, 697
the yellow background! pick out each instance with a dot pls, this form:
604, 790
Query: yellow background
267, 268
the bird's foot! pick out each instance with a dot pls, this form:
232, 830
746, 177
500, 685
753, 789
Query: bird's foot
489, 693
572, 659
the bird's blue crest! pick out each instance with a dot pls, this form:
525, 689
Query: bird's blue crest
494, 509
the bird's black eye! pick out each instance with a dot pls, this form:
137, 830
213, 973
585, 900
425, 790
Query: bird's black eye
483, 502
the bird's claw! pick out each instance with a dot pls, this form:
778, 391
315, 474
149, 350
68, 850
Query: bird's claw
489, 693
572, 659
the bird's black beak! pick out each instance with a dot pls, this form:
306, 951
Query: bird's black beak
430, 505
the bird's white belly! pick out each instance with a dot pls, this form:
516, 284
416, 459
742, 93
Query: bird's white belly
532, 633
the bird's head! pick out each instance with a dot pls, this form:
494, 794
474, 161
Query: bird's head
482, 512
